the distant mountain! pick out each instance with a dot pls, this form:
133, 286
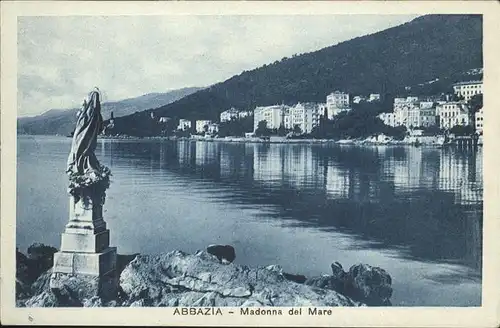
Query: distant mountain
424, 49
62, 121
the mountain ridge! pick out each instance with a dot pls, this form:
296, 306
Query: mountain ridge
61, 121
426, 48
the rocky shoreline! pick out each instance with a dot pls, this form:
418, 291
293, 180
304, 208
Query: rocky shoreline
206, 278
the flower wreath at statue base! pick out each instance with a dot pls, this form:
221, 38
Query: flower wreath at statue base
92, 183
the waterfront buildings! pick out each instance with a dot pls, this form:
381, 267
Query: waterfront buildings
304, 115
184, 125
200, 125
336, 103
412, 113
479, 121
468, 89
422, 116
452, 113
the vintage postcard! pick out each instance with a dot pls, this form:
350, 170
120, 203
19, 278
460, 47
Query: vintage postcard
250, 163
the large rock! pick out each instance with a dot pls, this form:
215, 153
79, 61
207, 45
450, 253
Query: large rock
180, 279
22, 268
370, 284
326, 282
66, 290
364, 283
45, 299
225, 253
29, 268
203, 279
41, 257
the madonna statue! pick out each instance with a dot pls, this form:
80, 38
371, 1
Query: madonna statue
83, 167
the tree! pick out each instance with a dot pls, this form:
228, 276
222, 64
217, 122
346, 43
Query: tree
475, 103
236, 127
297, 129
432, 130
397, 132
462, 130
262, 129
282, 131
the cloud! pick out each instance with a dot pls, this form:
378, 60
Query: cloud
61, 58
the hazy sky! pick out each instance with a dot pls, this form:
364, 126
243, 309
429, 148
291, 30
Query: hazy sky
60, 59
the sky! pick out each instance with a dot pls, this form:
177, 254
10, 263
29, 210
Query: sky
60, 59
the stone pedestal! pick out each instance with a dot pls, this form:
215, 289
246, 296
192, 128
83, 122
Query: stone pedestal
85, 255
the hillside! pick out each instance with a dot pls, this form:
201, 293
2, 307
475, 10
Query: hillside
428, 47
62, 121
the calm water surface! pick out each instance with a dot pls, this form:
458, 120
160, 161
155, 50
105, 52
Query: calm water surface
416, 212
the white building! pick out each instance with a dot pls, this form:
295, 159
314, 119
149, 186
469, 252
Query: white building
184, 125
200, 125
468, 89
402, 108
412, 113
337, 102
213, 128
374, 97
388, 119
228, 115
304, 115
273, 115
479, 119
323, 110
451, 114
245, 113
164, 119
358, 99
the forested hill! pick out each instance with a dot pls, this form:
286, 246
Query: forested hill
62, 121
428, 47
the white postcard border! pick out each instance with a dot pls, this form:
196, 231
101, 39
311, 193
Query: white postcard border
486, 315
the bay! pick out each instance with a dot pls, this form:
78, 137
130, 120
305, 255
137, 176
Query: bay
414, 211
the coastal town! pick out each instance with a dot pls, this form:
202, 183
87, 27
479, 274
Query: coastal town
417, 120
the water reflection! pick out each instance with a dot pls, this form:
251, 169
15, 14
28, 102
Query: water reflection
426, 203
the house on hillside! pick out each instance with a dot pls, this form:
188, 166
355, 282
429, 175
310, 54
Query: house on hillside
336, 103
184, 125
229, 114
468, 89
388, 118
374, 97
358, 99
244, 113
